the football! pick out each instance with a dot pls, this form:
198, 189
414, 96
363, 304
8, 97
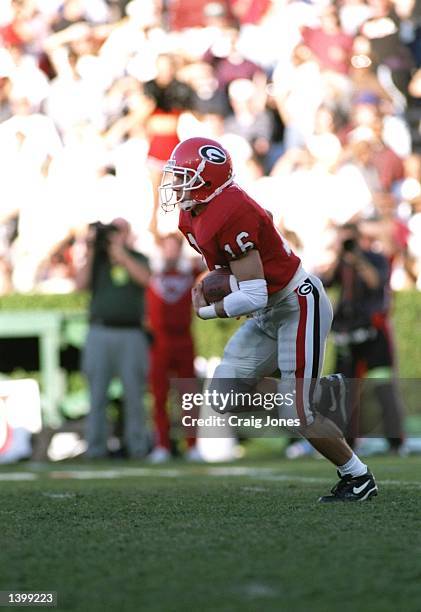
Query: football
217, 284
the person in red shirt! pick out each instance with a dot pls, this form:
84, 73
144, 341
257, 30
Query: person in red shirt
169, 308
330, 45
290, 312
249, 11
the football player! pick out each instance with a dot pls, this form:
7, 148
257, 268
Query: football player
291, 313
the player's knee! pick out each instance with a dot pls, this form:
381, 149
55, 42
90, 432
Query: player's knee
225, 371
227, 390
220, 389
220, 385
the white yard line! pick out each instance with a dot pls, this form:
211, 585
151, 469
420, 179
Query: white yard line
401, 483
317, 479
59, 495
112, 474
273, 475
261, 474
18, 476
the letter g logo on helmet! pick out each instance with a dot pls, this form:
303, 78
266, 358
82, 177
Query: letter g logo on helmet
213, 154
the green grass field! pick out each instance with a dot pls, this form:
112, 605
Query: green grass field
245, 536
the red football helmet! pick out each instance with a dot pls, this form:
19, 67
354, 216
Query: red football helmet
198, 170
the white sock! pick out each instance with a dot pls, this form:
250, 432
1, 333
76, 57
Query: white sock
354, 466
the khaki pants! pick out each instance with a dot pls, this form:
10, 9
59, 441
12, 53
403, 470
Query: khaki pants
116, 352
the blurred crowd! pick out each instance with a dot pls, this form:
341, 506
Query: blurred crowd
318, 102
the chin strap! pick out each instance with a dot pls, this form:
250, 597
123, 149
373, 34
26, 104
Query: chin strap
218, 191
187, 205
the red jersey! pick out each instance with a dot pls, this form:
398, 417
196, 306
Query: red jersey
332, 50
169, 304
232, 224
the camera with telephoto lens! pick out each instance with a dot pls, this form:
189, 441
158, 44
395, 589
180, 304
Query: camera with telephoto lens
103, 233
349, 245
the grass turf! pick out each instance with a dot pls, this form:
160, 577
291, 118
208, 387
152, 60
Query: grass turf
243, 537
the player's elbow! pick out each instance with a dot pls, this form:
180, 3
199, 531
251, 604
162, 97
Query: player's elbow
256, 291
252, 296
262, 298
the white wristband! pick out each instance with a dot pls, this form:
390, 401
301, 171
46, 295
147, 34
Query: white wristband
207, 312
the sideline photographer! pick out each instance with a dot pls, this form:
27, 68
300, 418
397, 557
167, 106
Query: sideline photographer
116, 345
361, 325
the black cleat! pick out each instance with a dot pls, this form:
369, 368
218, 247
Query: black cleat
350, 489
335, 400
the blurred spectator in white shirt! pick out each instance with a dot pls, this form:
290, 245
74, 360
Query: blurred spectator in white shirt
250, 119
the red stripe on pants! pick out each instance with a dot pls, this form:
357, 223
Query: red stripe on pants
300, 354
